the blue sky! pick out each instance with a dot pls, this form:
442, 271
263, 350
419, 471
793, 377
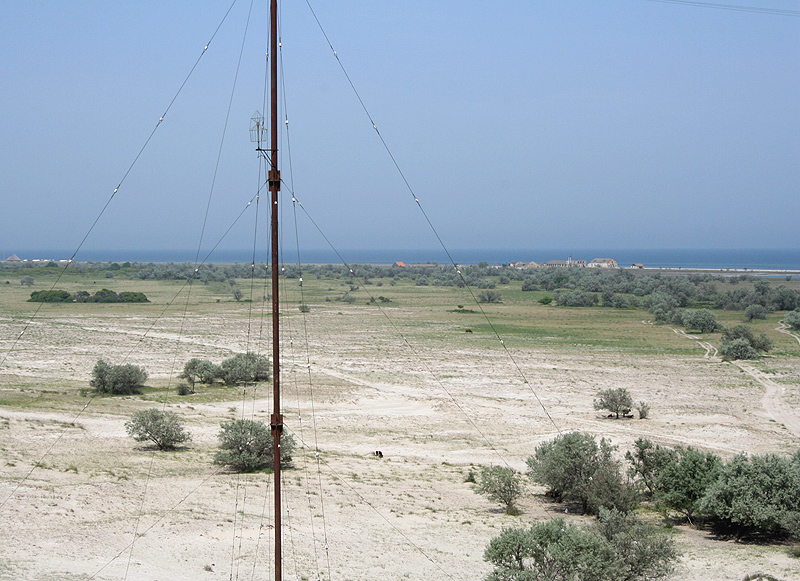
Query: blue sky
552, 124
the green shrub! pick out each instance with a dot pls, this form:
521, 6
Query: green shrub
201, 370
793, 319
501, 484
247, 367
756, 495
682, 483
575, 298
184, 388
50, 296
617, 548
737, 349
490, 296
755, 312
739, 342
117, 379
648, 462
617, 401
246, 446
577, 469
163, 428
701, 319
132, 297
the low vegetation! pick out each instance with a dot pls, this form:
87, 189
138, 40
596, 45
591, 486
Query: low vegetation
247, 367
618, 547
739, 342
163, 428
748, 497
501, 484
616, 400
677, 478
246, 446
756, 496
117, 379
577, 469
793, 319
102, 296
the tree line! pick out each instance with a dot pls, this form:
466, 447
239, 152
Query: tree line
657, 292
102, 296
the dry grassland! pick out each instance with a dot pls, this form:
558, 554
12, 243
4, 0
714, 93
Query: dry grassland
403, 378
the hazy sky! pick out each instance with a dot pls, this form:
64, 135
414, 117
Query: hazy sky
539, 124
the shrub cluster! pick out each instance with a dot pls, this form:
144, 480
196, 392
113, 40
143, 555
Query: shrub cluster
102, 296
117, 379
702, 320
739, 342
109, 296
577, 469
793, 319
617, 547
753, 496
50, 296
749, 496
247, 367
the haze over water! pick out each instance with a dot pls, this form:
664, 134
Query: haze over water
750, 259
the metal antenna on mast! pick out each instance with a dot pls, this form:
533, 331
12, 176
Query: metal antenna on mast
258, 130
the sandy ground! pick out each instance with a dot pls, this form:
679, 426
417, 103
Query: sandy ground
76, 490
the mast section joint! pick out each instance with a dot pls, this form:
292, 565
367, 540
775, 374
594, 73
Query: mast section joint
274, 179
276, 423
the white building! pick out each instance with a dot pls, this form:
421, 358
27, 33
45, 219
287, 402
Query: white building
603, 263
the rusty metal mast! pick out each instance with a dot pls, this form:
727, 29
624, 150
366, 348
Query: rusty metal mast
274, 178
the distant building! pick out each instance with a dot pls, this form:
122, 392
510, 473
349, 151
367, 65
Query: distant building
524, 265
603, 263
566, 263
400, 264
13, 258
637, 265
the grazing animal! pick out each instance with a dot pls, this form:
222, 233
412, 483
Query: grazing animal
468, 331
378, 454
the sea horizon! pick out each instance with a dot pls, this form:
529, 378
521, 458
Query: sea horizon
698, 258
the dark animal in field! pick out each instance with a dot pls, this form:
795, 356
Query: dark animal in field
378, 454
610, 415
468, 331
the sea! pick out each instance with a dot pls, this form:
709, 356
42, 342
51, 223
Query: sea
718, 259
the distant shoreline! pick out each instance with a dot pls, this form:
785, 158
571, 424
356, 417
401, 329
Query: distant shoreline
732, 271
774, 261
